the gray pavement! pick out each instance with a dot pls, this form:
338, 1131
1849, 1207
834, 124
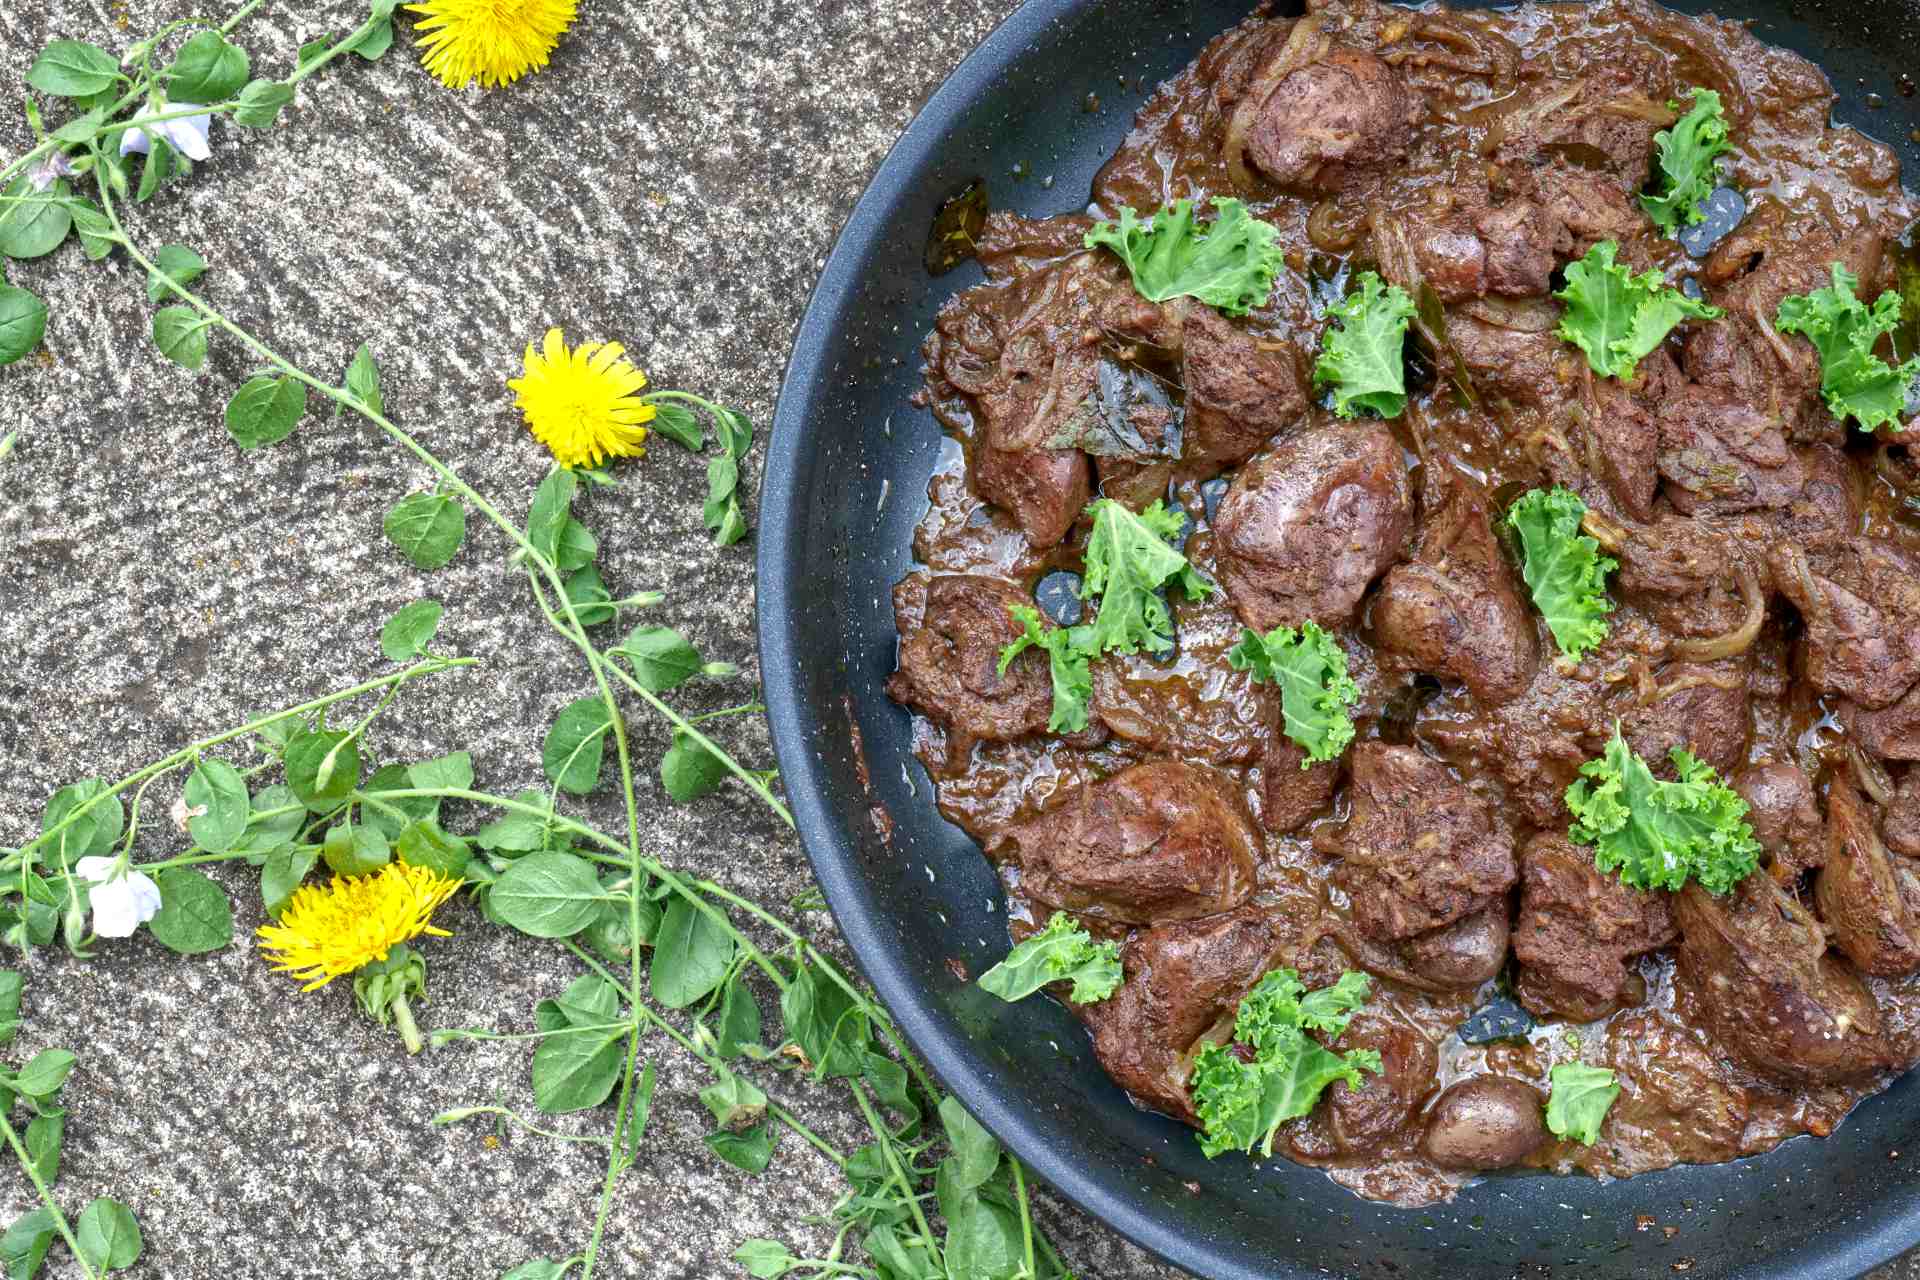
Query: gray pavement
673, 181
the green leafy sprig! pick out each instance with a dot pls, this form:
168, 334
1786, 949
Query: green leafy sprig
1229, 263
1068, 656
1129, 560
1687, 162
1362, 354
1855, 382
1579, 1100
1061, 952
1315, 690
1563, 567
1618, 318
1658, 834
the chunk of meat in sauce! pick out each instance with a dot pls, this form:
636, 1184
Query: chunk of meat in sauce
1783, 815
952, 629
1720, 457
1891, 732
1292, 791
1362, 1121
1241, 393
1160, 841
1512, 353
1455, 608
1181, 979
1902, 827
1578, 927
1420, 850
1860, 605
1701, 707
1867, 896
1534, 743
1340, 115
1675, 1103
1306, 527
1686, 576
1769, 991
1194, 706
1044, 490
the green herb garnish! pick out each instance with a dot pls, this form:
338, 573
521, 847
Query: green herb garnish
1128, 560
1361, 354
1579, 1101
1315, 689
1688, 165
1061, 952
1072, 682
1617, 317
1857, 384
1242, 1103
1658, 834
1563, 567
1229, 263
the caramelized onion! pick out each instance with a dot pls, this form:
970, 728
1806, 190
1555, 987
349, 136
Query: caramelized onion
1523, 116
1516, 315
1871, 775
1306, 43
1639, 107
1326, 236
1816, 598
1741, 638
1610, 534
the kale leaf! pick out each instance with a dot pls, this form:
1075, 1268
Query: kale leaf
1857, 384
1315, 689
1128, 560
1689, 162
1228, 263
1067, 658
1617, 317
1243, 1100
1563, 567
1361, 356
1061, 952
1579, 1100
1659, 834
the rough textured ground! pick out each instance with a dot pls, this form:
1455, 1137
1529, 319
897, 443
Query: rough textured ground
672, 181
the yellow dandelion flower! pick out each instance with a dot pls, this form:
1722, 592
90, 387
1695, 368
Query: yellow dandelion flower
492, 41
327, 933
583, 404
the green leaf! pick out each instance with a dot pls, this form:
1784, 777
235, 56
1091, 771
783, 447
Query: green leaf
264, 835
688, 770
640, 1111
1855, 382
1563, 567
107, 1235
285, 869
737, 1028
363, 380
178, 263
516, 832
825, 1021
589, 1001
34, 223
194, 915
389, 778
1579, 1101
591, 601
260, 104
1275, 1070
207, 70
1617, 317
410, 630
376, 37
160, 163
975, 1152
422, 843
11, 987
45, 1073
722, 510
1687, 166
453, 771
181, 336
97, 236
265, 411
94, 832
576, 1070
692, 953
660, 656
43, 1138
680, 425
1128, 560
983, 1241
72, 69
23, 323
576, 548
552, 508
323, 767
734, 1101
1229, 263
576, 744
216, 787
765, 1259
750, 1152
1361, 354
1315, 690
1067, 662
356, 850
1660, 834
427, 527
24, 1246
539, 1269
1061, 952
548, 895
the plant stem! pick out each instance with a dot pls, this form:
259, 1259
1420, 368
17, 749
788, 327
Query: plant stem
402, 1012
46, 1196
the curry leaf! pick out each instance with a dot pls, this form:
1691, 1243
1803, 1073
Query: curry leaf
194, 914
265, 411
410, 630
23, 323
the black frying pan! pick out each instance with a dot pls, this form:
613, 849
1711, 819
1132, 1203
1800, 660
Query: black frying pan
845, 484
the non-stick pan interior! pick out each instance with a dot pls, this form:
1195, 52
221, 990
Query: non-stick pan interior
846, 483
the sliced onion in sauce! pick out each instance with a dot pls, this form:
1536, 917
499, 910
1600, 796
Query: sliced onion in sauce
1741, 638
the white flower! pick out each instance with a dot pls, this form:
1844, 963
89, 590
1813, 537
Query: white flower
121, 903
49, 171
187, 135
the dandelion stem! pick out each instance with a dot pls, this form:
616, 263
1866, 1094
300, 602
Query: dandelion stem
402, 1011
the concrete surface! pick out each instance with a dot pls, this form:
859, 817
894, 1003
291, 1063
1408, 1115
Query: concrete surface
672, 181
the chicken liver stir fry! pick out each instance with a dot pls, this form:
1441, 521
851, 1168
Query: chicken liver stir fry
1761, 583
